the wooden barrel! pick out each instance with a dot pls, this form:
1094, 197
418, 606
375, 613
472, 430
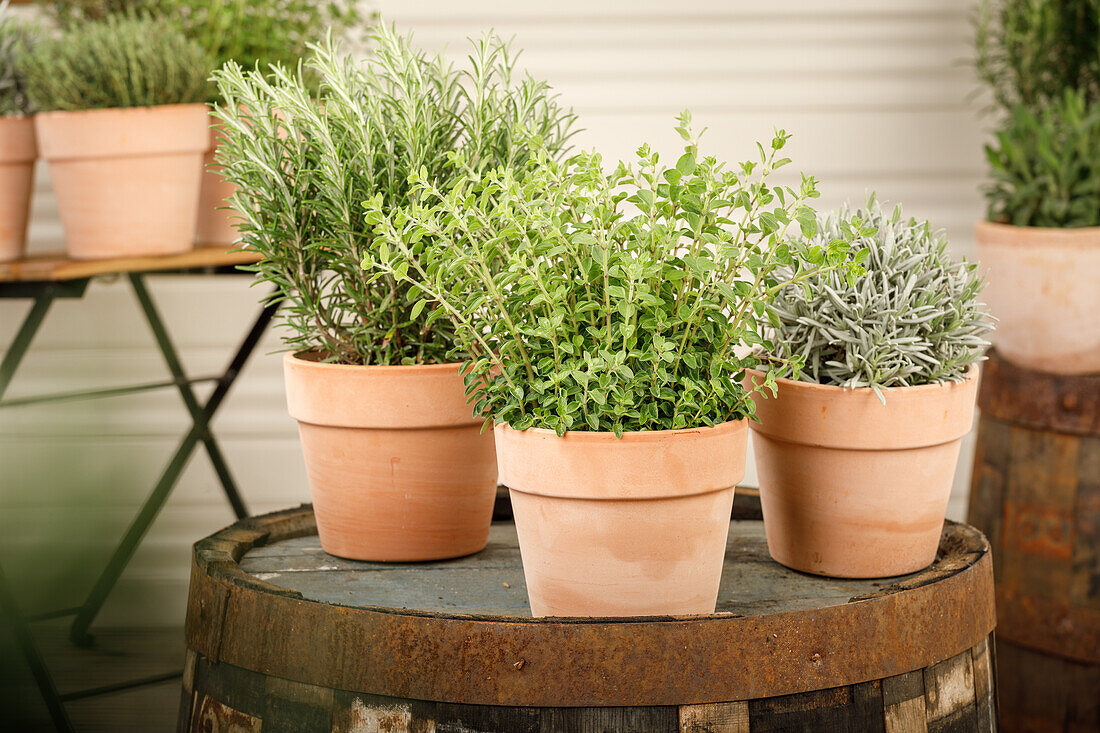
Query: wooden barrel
284, 637
1036, 494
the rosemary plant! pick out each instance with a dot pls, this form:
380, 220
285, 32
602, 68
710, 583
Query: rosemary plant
116, 62
16, 39
913, 319
1045, 165
589, 301
303, 169
1031, 51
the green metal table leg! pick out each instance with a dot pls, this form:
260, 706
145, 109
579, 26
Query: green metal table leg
201, 417
175, 366
9, 608
23, 338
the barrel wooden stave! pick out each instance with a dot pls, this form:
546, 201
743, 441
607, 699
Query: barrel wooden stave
953, 695
948, 694
1035, 493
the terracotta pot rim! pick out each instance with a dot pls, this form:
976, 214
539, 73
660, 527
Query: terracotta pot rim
631, 436
1037, 236
972, 374
62, 113
389, 369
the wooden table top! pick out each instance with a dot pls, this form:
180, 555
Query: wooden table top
58, 267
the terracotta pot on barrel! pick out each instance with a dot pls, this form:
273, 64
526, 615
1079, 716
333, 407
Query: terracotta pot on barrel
854, 488
17, 155
1043, 285
631, 526
399, 469
126, 180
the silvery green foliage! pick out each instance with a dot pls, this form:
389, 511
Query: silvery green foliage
913, 319
15, 38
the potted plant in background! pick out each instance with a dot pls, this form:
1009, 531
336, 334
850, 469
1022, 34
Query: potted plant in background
1041, 243
254, 33
398, 466
122, 123
17, 146
601, 313
856, 454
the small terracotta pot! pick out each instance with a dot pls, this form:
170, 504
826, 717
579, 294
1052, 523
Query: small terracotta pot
852, 488
634, 526
216, 224
398, 466
17, 156
1044, 287
126, 180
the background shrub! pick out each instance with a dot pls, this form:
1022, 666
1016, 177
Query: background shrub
1031, 51
117, 62
1045, 165
249, 32
16, 39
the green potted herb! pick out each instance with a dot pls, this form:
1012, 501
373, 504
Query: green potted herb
254, 33
122, 123
1041, 240
601, 314
398, 466
17, 145
857, 456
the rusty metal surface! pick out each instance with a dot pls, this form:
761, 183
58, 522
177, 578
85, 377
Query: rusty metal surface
1041, 401
235, 618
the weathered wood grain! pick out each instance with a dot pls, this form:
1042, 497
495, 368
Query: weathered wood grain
1036, 495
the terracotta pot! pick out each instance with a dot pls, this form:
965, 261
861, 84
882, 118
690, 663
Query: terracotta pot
1044, 287
852, 488
216, 224
126, 180
17, 156
398, 466
622, 527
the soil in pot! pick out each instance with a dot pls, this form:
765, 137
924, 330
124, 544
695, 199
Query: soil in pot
399, 469
854, 488
126, 180
17, 155
1043, 285
635, 526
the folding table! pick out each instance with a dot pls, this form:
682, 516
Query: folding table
46, 279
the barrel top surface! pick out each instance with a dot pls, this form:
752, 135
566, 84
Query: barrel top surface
491, 583
264, 597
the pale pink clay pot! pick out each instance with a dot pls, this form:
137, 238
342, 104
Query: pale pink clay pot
17, 156
852, 488
635, 526
126, 180
399, 469
217, 224
1043, 285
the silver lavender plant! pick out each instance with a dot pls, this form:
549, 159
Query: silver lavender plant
913, 318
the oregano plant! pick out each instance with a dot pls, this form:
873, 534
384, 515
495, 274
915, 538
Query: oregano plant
304, 163
914, 318
587, 300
